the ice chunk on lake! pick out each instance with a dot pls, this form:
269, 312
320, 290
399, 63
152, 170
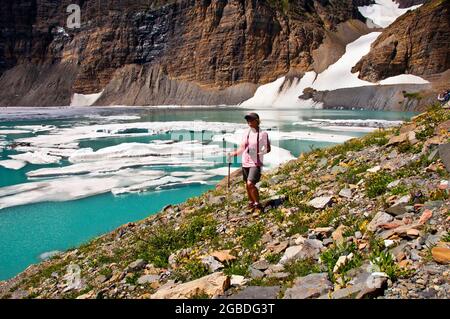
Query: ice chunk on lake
13, 164
36, 158
71, 188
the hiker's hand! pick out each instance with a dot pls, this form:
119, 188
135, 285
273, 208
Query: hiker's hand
230, 157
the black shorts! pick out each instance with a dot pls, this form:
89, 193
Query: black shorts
253, 174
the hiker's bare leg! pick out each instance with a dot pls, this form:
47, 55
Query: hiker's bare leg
252, 192
249, 193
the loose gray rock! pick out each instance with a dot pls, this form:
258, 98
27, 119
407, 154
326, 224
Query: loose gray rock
137, 265
379, 219
212, 263
346, 192
320, 202
261, 265
309, 249
399, 206
373, 286
148, 279
255, 273
444, 154
310, 286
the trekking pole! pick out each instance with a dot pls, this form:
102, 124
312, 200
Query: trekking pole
229, 173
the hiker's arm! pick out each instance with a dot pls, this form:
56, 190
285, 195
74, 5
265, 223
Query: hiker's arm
239, 151
267, 147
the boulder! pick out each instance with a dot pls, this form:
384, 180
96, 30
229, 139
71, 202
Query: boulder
255, 273
217, 200
137, 265
441, 255
212, 263
373, 286
374, 169
223, 256
212, 285
338, 234
379, 219
393, 184
148, 279
444, 154
238, 280
394, 140
311, 286
309, 249
346, 192
399, 207
320, 202
261, 265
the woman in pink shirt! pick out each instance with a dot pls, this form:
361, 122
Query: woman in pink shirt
255, 144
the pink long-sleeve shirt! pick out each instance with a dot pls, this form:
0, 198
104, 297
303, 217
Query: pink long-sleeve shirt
249, 144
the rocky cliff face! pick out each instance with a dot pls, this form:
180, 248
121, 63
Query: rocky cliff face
417, 43
187, 51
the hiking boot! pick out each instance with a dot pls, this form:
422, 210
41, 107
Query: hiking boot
258, 208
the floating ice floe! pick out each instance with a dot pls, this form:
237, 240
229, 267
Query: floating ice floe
68, 137
13, 164
11, 132
350, 125
38, 157
134, 150
56, 152
112, 165
71, 188
35, 128
384, 12
164, 182
114, 117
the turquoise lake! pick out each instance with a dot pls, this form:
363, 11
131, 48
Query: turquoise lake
116, 143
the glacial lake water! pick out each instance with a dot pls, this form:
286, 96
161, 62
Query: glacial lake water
68, 175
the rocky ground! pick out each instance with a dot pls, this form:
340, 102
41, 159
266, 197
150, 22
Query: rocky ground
365, 219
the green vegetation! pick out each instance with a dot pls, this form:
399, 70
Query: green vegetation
166, 239
400, 190
301, 268
376, 184
412, 95
196, 269
274, 258
251, 235
353, 175
386, 263
332, 254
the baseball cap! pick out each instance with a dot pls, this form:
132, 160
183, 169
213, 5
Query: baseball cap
252, 116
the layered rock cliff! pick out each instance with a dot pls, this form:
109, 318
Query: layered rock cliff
417, 43
153, 52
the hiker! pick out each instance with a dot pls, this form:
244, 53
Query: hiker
444, 97
255, 144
